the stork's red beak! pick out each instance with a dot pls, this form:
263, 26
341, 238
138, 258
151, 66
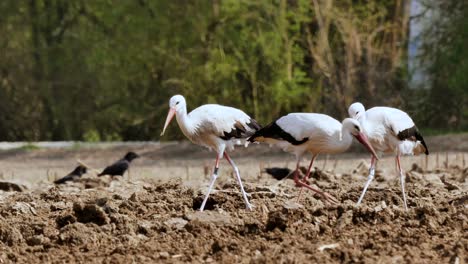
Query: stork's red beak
169, 117
362, 138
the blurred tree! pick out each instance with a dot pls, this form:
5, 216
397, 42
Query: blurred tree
105, 69
444, 103
358, 50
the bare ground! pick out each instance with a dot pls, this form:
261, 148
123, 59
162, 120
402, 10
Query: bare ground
147, 219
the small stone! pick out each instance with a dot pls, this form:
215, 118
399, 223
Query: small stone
345, 219
164, 255
329, 246
380, 207
176, 222
258, 254
102, 201
58, 206
292, 205
144, 227
130, 241
37, 240
133, 198
219, 219
24, 208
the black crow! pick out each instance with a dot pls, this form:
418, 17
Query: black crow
281, 173
72, 176
119, 167
278, 173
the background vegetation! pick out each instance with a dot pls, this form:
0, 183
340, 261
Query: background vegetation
105, 69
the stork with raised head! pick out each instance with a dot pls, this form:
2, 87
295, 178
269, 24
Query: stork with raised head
216, 127
301, 133
389, 130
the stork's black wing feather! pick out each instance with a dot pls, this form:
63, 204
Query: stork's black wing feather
239, 131
115, 169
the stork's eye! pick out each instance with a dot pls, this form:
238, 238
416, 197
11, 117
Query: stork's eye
177, 103
356, 127
357, 112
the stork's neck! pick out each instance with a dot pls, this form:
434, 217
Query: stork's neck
364, 124
342, 140
185, 122
346, 139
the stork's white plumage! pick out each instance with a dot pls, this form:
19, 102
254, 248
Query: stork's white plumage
389, 130
216, 127
299, 133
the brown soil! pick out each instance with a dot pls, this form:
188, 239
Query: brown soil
147, 221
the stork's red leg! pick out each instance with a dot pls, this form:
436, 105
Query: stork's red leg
296, 175
306, 177
213, 179
300, 183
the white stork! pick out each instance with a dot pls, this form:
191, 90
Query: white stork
389, 130
299, 133
215, 127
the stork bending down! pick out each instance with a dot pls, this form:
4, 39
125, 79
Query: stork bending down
299, 133
389, 130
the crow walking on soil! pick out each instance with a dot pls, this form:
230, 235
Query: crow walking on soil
281, 173
278, 173
72, 176
119, 167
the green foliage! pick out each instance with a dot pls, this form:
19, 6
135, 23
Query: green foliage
29, 147
105, 69
92, 136
445, 104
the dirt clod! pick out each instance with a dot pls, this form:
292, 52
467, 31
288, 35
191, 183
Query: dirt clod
177, 223
23, 208
86, 213
10, 235
64, 220
152, 222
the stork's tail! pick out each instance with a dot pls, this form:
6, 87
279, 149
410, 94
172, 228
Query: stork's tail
413, 134
270, 131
